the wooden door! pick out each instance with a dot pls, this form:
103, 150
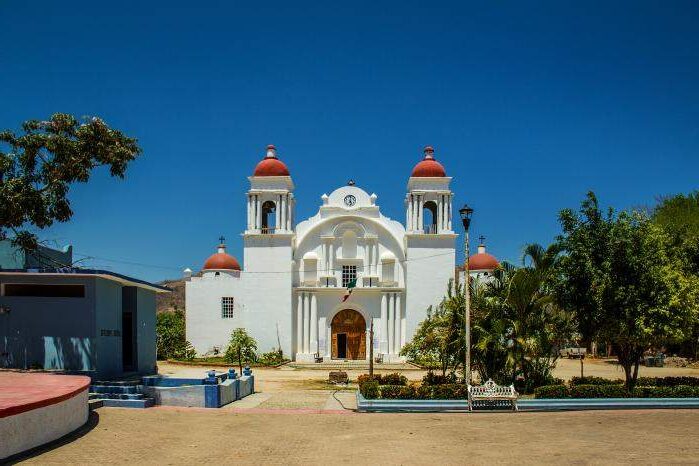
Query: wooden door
351, 323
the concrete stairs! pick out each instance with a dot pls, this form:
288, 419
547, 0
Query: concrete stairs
336, 364
119, 394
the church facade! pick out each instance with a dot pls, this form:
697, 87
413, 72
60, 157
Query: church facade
314, 287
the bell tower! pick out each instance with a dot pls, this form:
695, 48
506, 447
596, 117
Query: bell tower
429, 199
429, 238
268, 249
270, 198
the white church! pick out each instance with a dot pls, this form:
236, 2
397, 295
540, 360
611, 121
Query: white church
292, 291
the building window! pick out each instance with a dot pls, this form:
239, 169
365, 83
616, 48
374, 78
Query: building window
349, 273
227, 307
44, 291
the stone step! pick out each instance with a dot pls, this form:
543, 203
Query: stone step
94, 404
116, 396
115, 388
143, 403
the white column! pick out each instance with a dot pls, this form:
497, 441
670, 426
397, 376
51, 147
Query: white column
384, 325
258, 213
440, 214
314, 324
449, 212
413, 219
248, 221
391, 320
396, 331
421, 213
376, 258
445, 214
299, 324
331, 261
282, 212
306, 322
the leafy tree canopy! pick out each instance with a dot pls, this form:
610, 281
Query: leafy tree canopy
38, 165
679, 217
620, 278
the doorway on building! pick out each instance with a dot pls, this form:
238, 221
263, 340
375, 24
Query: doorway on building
127, 341
348, 329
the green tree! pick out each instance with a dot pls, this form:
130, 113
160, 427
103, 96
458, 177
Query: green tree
584, 242
640, 297
241, 348
38, 165
679, 218
171, 341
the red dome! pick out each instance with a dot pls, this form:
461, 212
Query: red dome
221, 261
271, 165
429, 167
482, 261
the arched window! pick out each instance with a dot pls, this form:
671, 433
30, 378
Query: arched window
429, 216
269, 209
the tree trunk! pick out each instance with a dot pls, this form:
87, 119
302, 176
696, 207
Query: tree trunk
240, 361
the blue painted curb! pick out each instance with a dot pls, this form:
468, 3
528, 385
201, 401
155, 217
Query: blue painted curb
568, 404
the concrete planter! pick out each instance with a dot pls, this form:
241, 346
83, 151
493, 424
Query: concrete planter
568, 404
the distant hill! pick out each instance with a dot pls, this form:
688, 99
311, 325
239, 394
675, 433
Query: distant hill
165, 302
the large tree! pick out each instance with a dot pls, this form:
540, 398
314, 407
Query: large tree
38, 165
621, 282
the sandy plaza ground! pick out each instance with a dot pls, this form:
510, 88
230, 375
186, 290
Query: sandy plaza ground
296, 419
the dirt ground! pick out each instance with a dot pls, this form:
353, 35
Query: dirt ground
186, 435
297, 418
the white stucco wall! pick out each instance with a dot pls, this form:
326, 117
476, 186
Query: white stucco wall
38, 426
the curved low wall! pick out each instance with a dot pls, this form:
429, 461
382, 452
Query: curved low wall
38, 408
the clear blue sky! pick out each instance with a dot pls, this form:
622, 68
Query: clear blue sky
528, 105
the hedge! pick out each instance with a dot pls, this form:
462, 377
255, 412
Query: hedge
552, 391
667, 381
591, 380
598, 391
369, 389
388, 379
615, 391
641, 382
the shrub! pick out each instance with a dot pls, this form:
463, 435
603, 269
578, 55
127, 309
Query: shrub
667, 381
437, 379
452, 391
366, 378
394, 379
271, 358
591, 380
552, 391
677, 391
598, 391
396, 392
369, 389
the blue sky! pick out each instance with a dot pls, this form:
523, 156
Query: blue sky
528, 105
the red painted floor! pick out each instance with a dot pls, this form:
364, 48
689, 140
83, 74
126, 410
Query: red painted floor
20, 392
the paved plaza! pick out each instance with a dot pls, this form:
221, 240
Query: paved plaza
297, 418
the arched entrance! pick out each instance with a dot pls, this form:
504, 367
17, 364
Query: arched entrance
348, 330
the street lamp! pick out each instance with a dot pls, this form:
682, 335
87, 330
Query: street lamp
466, 212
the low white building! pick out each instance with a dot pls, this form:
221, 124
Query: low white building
291, 292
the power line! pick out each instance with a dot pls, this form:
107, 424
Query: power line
165, 267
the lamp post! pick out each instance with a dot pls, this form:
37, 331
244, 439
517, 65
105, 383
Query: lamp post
466, 212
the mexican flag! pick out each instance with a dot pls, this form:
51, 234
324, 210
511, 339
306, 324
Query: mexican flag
350, 286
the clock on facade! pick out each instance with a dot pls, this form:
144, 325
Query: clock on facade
350, 200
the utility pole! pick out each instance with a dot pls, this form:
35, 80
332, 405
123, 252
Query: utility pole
466, 212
